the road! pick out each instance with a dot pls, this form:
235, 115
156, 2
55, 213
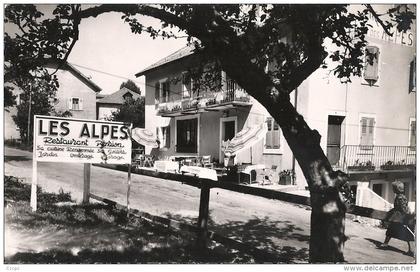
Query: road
268, 224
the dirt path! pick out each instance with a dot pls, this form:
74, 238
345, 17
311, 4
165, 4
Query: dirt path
268, 224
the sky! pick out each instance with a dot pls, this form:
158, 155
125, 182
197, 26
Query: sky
106, 44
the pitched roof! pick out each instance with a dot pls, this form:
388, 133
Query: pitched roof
181, 53
118, 97
69, 67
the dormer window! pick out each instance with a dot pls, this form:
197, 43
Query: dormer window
128, 96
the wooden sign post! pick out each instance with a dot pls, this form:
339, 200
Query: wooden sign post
34, 172
86, 182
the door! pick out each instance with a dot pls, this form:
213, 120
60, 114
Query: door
228, 129
334, 138
187, 136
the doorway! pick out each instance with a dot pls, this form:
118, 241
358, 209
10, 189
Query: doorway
334, 138
228, 129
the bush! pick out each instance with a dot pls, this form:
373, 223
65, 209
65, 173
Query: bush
16, 190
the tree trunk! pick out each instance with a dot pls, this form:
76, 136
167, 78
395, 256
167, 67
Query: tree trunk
328, 210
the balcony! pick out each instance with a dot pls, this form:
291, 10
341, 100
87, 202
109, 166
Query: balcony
377, 158
233, 96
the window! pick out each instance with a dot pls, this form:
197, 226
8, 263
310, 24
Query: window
412, 82
157, 94
412, 136
75, 103
272, 138
371, 69
378, 189
165, 91
186, 85
187, 136
367, 132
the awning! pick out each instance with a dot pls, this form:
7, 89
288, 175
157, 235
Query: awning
246, 138
144, 137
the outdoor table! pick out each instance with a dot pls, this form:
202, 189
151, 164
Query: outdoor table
183, 159
200, 172
166, 166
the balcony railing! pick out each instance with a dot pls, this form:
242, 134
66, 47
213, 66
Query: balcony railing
233, 95
358, 157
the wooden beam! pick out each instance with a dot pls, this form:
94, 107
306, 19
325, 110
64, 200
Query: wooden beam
261, 192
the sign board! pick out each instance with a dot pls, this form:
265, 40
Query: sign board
59, 139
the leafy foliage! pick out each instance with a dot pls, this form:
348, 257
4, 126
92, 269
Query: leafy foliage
131, 85
132, 111
9, 97
36, 99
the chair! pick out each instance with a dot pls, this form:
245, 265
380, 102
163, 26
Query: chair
148, 161
206, 161
268, 175
188, 162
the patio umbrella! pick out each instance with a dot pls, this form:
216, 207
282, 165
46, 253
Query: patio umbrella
246, 138
144, 137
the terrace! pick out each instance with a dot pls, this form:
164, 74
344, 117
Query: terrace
229, 97
377, 158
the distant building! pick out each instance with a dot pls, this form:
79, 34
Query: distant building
76, 94
111, 103
368, 126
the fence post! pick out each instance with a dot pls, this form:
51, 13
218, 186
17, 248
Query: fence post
86, 182
203, 216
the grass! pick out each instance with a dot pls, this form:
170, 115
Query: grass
14, 143
62, 231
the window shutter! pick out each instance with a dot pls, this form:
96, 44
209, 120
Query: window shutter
168, 136
366, 137
276, 135
413, 133
186, 85
157, 92
81, 104
371, 72
371, 124
268, 136
70, 103
412, 82
363, 136
165, 91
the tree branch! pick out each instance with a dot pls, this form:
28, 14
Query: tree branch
76, 23
135, 9
379, 20
316, 56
